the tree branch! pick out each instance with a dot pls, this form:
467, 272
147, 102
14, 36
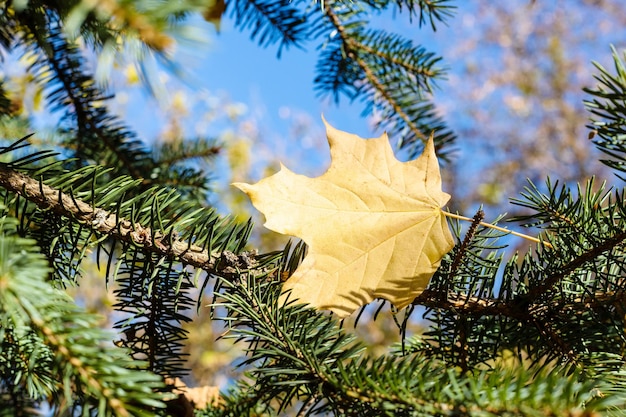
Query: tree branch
556, 277
352, 48
516, 308
104, 222
81, 103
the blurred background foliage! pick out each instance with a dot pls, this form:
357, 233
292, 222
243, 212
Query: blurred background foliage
517, 94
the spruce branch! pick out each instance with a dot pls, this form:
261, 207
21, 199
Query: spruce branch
78, 353
104, 222
270, 21
563, 292
521, 307
608, 111
96, 135
563, 271
156, 296
431, 9
296, 349
171, 153
391, 75
352, 48
299, 338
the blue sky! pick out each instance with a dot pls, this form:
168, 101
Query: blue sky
255, 75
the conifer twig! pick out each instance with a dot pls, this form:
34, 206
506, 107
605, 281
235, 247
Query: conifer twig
352, 46
104, 222
477, 306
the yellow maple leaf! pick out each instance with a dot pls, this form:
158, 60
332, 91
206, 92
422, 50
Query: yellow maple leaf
373, 224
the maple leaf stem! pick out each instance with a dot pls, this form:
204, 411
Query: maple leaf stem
501, 229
